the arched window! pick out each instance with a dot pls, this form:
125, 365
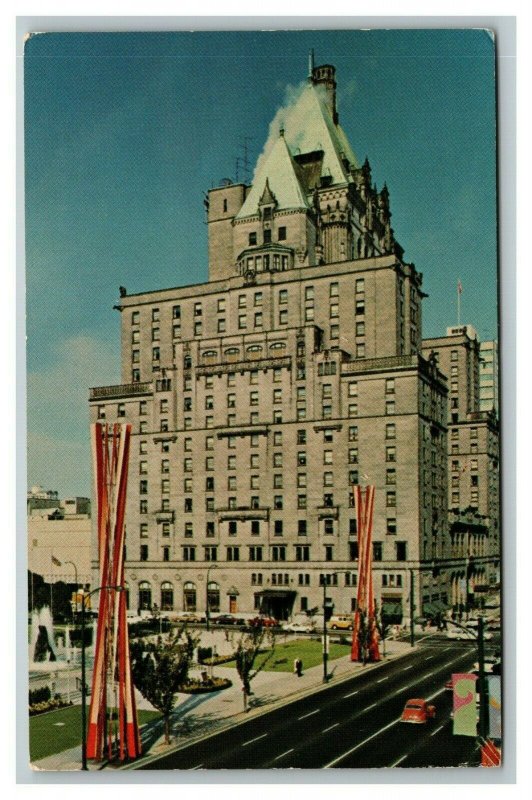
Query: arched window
167, 596
254, 348
144, 596
278, 346
209, 354
213, 596
189, 596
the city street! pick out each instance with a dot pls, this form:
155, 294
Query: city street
348, 725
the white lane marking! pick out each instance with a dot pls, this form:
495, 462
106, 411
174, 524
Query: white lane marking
198, 767
256, 739
351, 694
383, 679
331, 727
428, 675
310, 713
396, 763
284, 754
437, 729
428, 658
373, 736
371, 706
410, 667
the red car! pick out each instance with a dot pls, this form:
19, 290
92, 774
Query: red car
418, 711
263, 622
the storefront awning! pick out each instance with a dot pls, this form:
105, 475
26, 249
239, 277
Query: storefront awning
287, 593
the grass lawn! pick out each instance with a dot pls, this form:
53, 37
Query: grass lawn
308, 650
47, 737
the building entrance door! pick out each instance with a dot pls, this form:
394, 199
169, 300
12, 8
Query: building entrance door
232, 604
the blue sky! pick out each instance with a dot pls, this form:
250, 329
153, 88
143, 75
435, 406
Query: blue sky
125, 132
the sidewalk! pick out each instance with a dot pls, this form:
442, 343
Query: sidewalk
196, 716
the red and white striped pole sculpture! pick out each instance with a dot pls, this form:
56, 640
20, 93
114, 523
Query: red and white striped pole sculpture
112, 696
364, 503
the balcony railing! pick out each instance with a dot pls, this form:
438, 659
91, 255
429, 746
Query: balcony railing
243, 513
120, 390
241, 366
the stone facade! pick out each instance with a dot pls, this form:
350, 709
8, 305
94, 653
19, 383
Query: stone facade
259, 398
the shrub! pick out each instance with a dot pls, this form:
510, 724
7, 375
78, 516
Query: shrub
203, 653
40, 695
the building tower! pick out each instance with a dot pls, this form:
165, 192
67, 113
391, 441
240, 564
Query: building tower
259, 398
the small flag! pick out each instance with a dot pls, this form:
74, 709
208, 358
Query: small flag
459, 287
56, 561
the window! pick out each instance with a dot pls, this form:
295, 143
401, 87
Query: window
352, 527
189, 531
391, 527
302, 479
231, 483
121, 410
281, 234
242, 321
156, 353
328, 500
352, 455
301, 437
360, 351
231, 462
155, 315
233, 553
135, 317
277, 460
278, 501
143, 552
283, 296
390, 476
335, 332
253, 398
302, 527
166, 554
302, 501
352, 410
233, 527
155, 334
279, 552
283, 317
400, 551
135, 356
377, 551
254, 501
390, 407
278, 527
302, 552
390, 454
252, 238
333, 310
353, 477
353, 433
327, 479
360, 329
301, 459
353, 551
189, 553
277, 481
143, 530
328, 526
390, 430
143, 487
359, 286
209, 463
390, 499
188, 505
255, 553
333, 290
255, 527
328, 552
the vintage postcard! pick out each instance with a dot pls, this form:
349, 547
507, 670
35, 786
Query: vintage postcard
263, 508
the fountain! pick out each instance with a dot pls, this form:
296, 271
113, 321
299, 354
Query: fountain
44, 654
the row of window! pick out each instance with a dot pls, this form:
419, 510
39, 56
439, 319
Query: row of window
242, 298
277, 552
302, 528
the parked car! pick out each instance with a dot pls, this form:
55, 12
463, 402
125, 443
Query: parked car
263, 622
418, 711
191, 617
341, 622
298, 627
226, 619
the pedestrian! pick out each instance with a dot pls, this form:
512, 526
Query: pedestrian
299, 667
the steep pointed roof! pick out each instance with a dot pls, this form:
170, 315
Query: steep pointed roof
308, 127
278, 174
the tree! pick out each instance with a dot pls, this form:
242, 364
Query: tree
159, 668
248, 647
383, 625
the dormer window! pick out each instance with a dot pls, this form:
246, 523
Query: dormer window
267, 212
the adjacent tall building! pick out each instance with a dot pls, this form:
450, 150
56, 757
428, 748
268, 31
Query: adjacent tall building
258, 399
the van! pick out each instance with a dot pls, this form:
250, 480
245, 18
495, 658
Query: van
341, 622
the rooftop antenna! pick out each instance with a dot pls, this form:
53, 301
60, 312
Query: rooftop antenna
242, 162
310, 63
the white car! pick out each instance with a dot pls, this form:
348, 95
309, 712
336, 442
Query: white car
298, 627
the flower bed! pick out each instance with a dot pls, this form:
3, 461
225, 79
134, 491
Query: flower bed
213, 660
198, 686
48, 705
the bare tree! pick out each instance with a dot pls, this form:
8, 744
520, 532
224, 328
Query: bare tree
159, 668
248, 646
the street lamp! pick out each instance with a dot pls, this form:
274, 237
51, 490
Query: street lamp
207, 610
77, 584
325, 583
85, 597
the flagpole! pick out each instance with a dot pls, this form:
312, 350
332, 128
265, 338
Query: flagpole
458, 301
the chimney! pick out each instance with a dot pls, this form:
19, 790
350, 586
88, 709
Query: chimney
325, 76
